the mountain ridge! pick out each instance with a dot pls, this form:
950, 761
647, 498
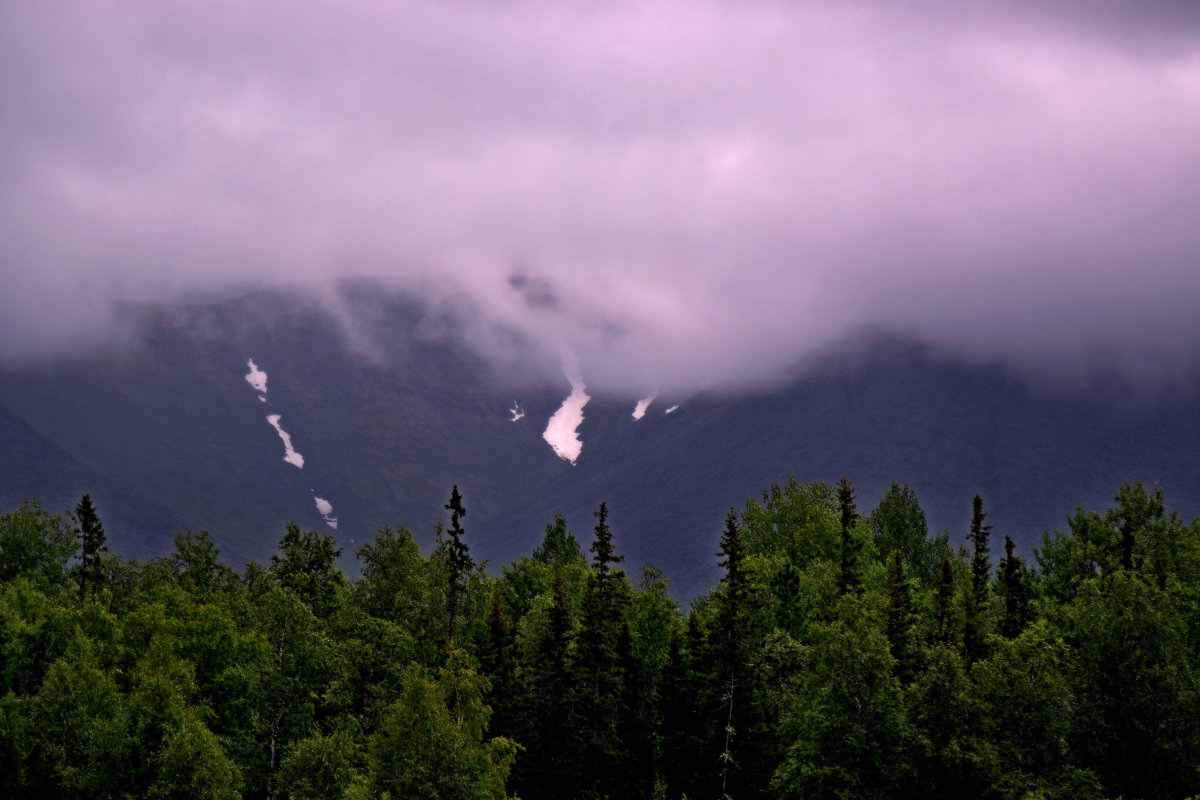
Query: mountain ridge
170, 435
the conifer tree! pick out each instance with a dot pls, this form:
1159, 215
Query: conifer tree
604, 554
897, 619
459, 562
497, 660
600, 661
92, 547
981, 567
946, 597
849, 579
1014, 584
687, 720
549, 768
731, 647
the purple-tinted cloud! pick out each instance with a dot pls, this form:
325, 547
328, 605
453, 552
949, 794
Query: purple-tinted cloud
698, 192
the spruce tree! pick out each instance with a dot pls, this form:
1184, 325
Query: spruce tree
687, 720
459, 562
898, 619
92, 547
604, 553
550, 725
601, 668
981, 565
1014, 584
946, 599
497, 660
848, 579
732, 644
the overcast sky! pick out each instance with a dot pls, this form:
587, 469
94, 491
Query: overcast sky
679, 192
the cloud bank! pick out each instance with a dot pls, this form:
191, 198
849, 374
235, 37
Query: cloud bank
680, 193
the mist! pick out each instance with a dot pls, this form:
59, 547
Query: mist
676, 194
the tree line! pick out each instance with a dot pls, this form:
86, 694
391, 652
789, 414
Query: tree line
841, 655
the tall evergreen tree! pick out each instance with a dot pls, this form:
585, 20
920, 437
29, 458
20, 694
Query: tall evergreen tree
497, 660
849, 579
601, 667
732, 645
604, 553
898, 619
92, 547
1014, 584
949, 623
459, 562
550, 728
981, 567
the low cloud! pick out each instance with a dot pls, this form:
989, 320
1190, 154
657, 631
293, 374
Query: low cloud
679, 193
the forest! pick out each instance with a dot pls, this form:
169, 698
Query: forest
842, 654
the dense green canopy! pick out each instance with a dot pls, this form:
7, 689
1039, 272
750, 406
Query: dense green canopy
842, 655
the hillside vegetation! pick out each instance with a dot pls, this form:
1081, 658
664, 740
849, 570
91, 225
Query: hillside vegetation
841, 655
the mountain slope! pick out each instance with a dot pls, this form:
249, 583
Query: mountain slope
171, 435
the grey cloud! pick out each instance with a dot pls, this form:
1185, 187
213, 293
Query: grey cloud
704, 192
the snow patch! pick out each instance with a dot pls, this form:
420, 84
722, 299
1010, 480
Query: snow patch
639, 410
257, 379
516, 411
289, 453
671, 409
325, 509
562, 431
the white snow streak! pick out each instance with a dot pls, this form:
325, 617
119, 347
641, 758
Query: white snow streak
516, 411
257, 379
672, 408
289, 453
639, 410
325, 509
562, 431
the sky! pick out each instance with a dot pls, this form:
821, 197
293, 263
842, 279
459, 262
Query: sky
673, 193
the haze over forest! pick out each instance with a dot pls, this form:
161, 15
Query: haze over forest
679, 194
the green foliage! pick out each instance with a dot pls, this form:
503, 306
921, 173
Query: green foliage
601, 660
978, 619
849, 578
192, 764
319, 767
197, 564
898, 619
1139, 728
36, 544
559, 545
898, 523
92, 546
825, 663
425, 750
307, 565
458, 563
801, 522
76, 736
848, 732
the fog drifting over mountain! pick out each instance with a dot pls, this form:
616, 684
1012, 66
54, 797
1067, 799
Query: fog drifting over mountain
680, 193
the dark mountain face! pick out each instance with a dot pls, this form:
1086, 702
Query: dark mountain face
171, 435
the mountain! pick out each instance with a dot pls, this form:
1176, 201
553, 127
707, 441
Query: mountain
171, 433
